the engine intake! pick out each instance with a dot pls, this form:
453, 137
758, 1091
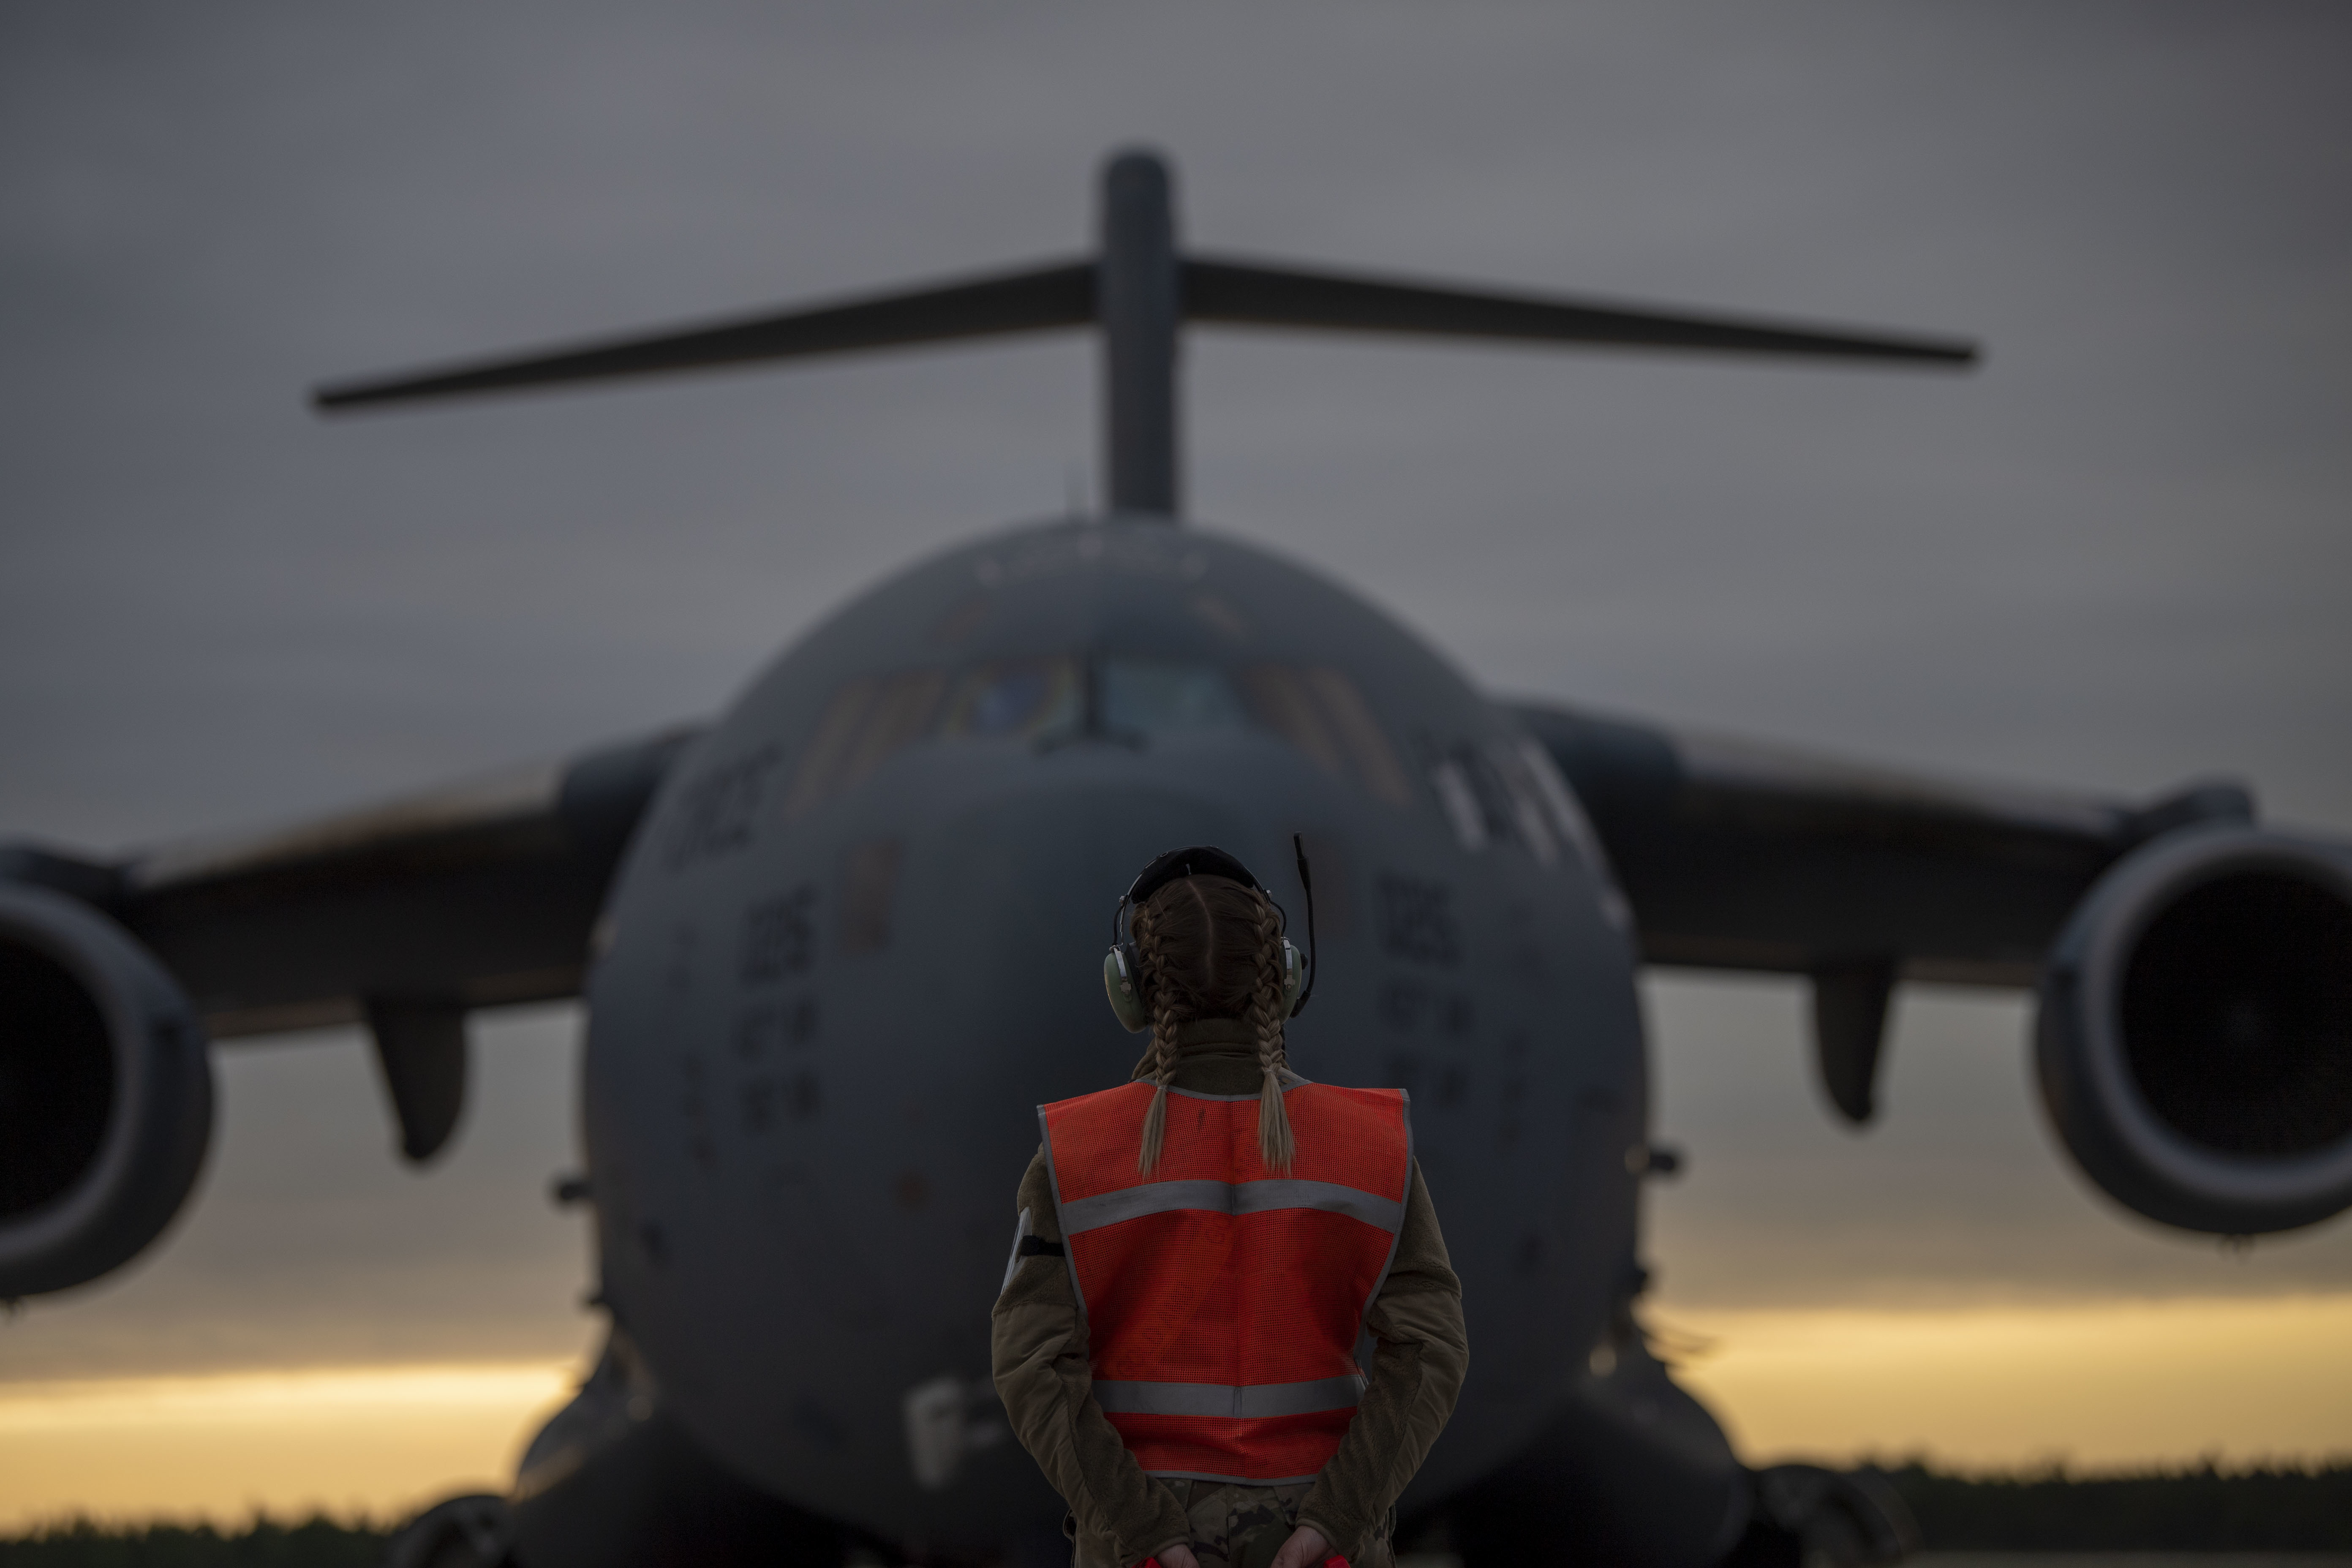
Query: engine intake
105, 1093
2195, 1036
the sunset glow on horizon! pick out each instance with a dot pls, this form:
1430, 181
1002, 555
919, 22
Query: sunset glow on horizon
2093, 1385
2096, 1385
1942, 678
375, 1442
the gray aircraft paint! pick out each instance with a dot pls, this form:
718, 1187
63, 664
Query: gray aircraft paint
805, 1167
784, 968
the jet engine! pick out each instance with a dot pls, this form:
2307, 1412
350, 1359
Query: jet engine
106, 1095
2195, 1038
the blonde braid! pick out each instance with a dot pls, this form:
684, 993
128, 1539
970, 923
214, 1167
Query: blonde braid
1275, 1145
1161, 1058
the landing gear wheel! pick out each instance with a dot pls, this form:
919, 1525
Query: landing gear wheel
1807, 1517
474, 1532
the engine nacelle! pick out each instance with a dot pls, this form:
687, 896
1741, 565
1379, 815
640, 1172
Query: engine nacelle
2195, 1038
106, 1093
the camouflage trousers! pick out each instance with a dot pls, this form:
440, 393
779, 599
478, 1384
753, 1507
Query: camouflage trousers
1236, 1526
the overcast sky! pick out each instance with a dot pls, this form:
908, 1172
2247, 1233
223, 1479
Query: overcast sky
2117, 556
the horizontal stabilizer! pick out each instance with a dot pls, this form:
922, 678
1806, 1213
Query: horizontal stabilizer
1248, 293
1028, 301
1229, 292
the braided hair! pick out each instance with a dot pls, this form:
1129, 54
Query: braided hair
1160, 1056
1210, 948
1275, 1145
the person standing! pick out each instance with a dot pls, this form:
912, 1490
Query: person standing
1197, 1253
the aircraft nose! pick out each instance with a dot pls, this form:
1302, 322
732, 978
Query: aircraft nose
1008, 908
1044, 871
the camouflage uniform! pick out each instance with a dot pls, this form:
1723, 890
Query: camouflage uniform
1120, 1516
1242, 1527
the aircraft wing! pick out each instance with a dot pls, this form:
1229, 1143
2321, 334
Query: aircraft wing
468, 896
1740, 857
1733, 856
405, 916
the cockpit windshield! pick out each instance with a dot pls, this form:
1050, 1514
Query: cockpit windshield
1015, 700
1047, 700
1158, 696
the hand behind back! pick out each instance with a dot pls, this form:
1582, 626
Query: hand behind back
1305, 1549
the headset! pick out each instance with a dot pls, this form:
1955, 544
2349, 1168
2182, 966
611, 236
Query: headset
1123, 971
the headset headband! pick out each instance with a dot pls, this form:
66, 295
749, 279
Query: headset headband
1200, 860
1208, 861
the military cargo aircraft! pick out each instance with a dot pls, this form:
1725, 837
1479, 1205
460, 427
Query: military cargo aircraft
835, 945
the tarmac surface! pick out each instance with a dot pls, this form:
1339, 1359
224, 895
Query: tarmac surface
2131, 1559
2057, 1560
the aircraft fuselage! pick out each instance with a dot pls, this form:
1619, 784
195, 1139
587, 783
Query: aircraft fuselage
859, 938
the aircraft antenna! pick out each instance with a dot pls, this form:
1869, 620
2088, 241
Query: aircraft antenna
1314, 952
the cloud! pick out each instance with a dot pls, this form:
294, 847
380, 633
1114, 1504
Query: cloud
2111, 559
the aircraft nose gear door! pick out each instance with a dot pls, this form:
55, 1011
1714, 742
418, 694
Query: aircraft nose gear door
1824, 1519
947, 1418
474, 1532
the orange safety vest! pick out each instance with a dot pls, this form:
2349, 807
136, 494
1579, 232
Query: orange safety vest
1223, 1301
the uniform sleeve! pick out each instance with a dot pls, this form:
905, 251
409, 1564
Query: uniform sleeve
1420, 1353
1038, 1352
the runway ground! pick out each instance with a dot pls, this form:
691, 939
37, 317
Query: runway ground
2132, 1559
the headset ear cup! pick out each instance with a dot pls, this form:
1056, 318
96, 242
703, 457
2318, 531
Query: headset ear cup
1120, 985
1293, 977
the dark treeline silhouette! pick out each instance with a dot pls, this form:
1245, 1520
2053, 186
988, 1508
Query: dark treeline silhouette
316, 1542
2176, 1510
2180, 1510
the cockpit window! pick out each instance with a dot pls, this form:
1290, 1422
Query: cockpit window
1159, 696
1320, 711
1015, 699
1501, 794
1049, 698
865, 722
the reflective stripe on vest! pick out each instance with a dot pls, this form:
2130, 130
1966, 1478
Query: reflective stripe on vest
1245, 1403
1223, 1301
